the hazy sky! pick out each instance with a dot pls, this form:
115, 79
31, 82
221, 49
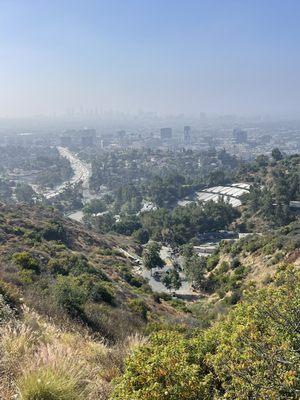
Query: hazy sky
169, 56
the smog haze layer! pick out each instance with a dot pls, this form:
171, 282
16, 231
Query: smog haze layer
170, 57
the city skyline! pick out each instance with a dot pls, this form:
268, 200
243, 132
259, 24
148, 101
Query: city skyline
168, 57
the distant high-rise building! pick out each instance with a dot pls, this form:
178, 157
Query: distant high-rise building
166, 134
240, 136
187, 134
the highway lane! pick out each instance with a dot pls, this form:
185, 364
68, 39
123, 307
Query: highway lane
81, 174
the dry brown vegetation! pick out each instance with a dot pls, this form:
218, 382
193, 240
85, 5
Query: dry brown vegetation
38, 357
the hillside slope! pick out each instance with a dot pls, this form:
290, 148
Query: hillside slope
72, 310
69, 273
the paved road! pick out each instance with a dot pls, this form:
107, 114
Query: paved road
81, 174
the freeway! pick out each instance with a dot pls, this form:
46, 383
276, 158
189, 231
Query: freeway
81, 174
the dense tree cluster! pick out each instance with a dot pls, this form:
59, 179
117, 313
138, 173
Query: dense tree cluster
176, 227
184, 223
24, 193
276, 185
60, 171
175, 168
43, 165
6, 191
151, 256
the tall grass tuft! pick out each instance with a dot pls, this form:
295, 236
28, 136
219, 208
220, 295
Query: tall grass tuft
40, 361
46, 383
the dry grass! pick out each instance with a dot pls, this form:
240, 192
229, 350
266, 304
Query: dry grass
42, 362
49, 384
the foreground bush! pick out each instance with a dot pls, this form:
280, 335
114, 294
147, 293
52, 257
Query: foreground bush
252, 354
161, 370
257, 347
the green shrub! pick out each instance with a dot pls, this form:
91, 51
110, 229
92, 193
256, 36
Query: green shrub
212, 261
106, 251
163, 369
211, 283
278, 256
27, 276
10, 295
136, 281
224, 267
24, 260
252, 353
253, 245
54, 231
158, 296
139, 307
268, 249
101, 292
179, 305
73, 264
70, 294
235, 263
236, 248
57, 266
141, 235
34, 236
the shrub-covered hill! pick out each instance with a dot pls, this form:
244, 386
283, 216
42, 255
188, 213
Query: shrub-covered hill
71, 274
238, 265
254, 258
